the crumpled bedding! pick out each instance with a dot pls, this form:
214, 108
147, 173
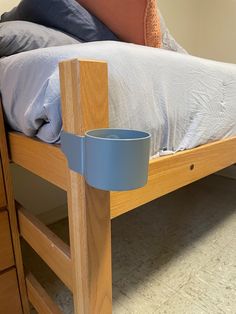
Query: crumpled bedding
183, 101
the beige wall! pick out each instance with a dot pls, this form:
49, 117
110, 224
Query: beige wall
206, 28
182, 19
7, 5
217, 30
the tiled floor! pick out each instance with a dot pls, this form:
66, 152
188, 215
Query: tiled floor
175, 255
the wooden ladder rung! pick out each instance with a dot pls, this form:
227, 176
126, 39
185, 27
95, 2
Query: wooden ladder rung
47, 245
39, 298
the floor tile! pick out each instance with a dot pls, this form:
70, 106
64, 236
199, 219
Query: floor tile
180, 304
211, 294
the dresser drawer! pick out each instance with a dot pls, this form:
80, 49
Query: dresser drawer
9, 294
2, 188
6, 252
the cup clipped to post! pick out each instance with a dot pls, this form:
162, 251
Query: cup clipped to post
109, 159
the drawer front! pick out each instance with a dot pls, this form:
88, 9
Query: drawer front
2, 189
9, 293
6, 252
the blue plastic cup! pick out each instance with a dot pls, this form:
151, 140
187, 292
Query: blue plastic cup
109, 159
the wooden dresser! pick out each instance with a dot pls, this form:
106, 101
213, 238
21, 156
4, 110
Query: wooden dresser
10, 302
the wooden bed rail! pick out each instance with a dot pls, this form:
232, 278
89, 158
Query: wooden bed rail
166, 174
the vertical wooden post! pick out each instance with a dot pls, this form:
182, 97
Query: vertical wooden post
12, 215
84, 91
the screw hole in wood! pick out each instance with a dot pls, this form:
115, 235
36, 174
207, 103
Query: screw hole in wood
192, 167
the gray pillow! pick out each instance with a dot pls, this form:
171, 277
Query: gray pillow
168, 41
19, 36
65, 15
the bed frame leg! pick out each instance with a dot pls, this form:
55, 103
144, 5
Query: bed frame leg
84, 90
12, 216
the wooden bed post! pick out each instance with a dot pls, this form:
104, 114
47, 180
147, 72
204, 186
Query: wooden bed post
12, 215
84, 91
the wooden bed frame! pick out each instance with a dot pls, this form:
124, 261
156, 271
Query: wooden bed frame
85, 266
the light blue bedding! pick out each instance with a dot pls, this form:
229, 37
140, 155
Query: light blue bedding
183, 101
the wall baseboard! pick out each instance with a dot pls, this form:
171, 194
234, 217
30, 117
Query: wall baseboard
53, 215
229, 172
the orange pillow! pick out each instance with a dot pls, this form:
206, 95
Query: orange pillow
134, 21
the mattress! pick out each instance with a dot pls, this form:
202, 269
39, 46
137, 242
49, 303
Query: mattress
183, 101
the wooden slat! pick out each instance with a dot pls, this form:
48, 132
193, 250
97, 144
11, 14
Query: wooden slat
9, 293
84, 90
12, 214
39, 298
6, 252
3, 200
166, 174
44, 160
47, 245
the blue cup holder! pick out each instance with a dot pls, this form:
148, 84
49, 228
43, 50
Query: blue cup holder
109, 159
